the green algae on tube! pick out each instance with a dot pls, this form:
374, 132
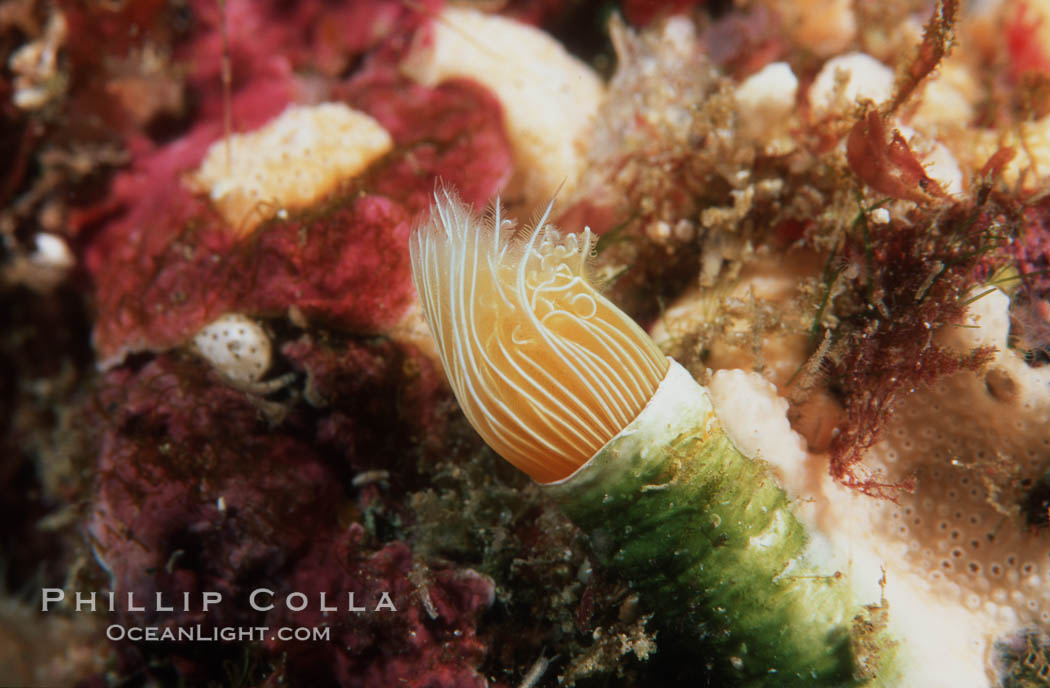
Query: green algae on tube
565, 386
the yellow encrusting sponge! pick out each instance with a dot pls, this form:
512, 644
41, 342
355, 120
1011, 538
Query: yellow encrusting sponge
545, 368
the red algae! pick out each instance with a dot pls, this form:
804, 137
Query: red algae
257, 513
642, 12
165, 264
912, 279
1032, 250
744, 42
203, 488
1026, 52
403, 647
1030, 311
364, 380
884, 161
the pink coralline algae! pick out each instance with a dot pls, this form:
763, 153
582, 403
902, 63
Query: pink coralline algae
418, 647
196, 494
359, 381
1032, 251
642, 12
165, 263
201, 487
1030, 311
1024, 48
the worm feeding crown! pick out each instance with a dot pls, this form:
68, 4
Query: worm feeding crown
546, 369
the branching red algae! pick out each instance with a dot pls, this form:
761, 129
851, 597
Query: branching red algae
913, 278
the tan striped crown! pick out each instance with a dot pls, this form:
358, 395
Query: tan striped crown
546, 369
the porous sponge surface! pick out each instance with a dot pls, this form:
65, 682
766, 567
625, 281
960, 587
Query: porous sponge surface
292, 162
978, 445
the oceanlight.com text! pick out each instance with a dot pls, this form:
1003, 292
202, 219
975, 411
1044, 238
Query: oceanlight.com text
202, 633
